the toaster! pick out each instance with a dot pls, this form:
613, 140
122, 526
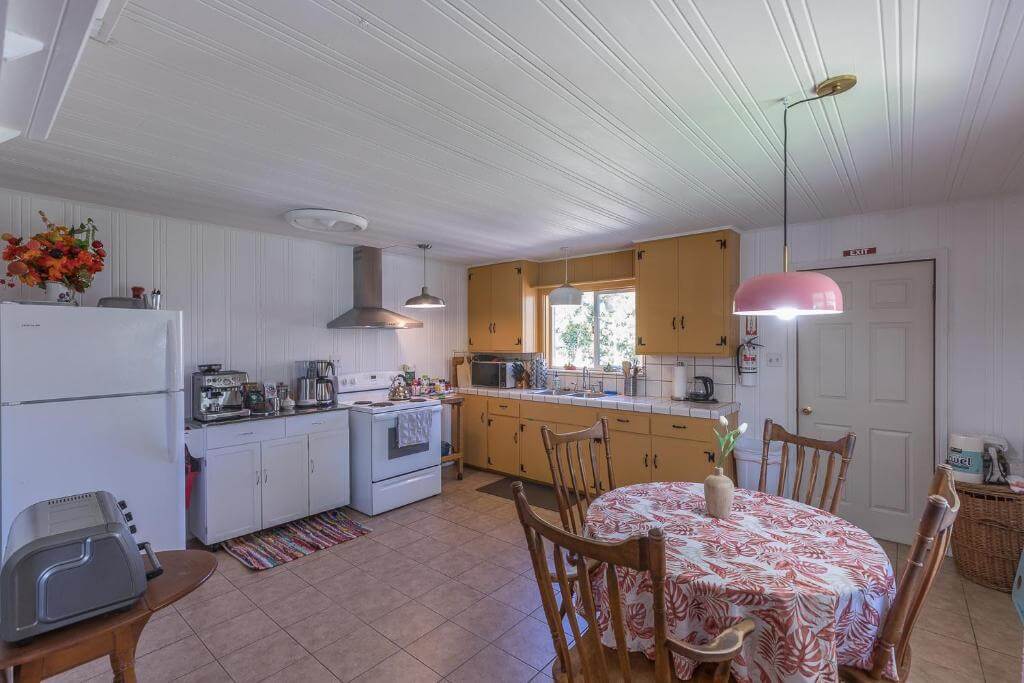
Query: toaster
70, 559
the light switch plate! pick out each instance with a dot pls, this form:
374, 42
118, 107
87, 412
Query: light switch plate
774, 359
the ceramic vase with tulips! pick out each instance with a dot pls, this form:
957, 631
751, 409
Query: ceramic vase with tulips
718, 488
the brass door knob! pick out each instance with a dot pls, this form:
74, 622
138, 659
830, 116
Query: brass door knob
807, 410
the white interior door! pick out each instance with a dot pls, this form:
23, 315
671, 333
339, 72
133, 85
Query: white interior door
285, 480
870, 370
328, 470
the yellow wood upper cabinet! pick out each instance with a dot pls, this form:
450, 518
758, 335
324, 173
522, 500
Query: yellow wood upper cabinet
584, 270
502, 307
684, 291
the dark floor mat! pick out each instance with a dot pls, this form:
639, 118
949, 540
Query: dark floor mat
539, 495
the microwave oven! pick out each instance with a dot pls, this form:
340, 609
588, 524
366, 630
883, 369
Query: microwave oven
492, 373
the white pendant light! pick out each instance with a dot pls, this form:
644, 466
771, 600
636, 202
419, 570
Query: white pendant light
425, 299
566, 295
787, 295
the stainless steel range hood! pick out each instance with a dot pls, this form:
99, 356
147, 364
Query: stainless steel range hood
367, 313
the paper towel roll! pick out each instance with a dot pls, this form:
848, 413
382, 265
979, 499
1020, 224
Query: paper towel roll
679, 381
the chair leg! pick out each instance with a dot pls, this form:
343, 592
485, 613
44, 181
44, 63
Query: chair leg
29, 672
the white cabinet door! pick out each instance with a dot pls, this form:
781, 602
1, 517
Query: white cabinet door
328, 470
285, 480
233, 479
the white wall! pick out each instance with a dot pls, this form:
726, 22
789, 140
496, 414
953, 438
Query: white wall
984, 241
253, 301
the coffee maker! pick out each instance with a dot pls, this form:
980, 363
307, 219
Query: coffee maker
217, 394
317, 384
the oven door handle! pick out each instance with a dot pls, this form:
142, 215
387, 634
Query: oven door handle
393, 416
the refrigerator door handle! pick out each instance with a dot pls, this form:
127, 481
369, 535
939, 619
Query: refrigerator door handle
175, 426
175, 377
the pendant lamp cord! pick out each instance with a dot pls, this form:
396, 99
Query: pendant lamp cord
785, 174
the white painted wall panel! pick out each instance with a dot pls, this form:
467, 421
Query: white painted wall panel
984, 240
255, 301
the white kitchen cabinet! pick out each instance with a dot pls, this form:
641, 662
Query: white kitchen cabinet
285, 480
230, 493
328, 470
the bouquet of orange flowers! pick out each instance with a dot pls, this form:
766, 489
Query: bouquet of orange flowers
71, 256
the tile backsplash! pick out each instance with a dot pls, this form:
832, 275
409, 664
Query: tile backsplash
655, 378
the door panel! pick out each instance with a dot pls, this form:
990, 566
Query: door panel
680, 460
328, 470
656, 297
474, 431
631, 458
234, 484
533, 458
285, 480
479, 308
701, 293
869, 370
503, 443
507, 306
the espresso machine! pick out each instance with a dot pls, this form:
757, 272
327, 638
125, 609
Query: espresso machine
317, 384
217, 394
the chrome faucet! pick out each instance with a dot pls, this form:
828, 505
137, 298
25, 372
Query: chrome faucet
586, 379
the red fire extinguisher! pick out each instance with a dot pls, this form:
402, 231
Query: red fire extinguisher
746, 362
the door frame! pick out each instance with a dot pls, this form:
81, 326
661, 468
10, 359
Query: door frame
940, 335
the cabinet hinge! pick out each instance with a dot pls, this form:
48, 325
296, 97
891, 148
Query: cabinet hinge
471, 276
522, 427
470, 341
640, 254
722, 341
519, 341
519, 271
721, 244
711, 456
640, 341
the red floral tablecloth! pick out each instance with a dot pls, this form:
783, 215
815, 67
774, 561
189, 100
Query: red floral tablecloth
816, 586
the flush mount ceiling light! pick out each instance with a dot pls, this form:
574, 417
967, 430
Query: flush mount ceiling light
566, 295
425, 299
787, 295
326, 220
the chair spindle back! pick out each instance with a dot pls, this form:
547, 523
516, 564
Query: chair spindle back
576, 470
808, 455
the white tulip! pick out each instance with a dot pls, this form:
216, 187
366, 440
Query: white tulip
725, 422
743, 428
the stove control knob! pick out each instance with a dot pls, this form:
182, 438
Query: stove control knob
123, 505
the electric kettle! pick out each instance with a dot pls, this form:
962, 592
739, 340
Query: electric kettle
703, 390
325, 391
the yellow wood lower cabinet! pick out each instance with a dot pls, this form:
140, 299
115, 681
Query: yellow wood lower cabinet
474, 430
680, 459
631, 458
503, 443
533, 458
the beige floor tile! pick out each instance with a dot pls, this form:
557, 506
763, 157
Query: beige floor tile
356, 653
350, 583
407, 623
97, 667
456, 514
486, 546
241, 576
986, 603
177, 659
372, 604
322, 568
947, 596
923, 671
405, 515
528, 641
324, 628
946, 652
425, 549
446, 648
416, 580
486, 577
451, 598
430, 524
1000, 668
224, 638
521, 593
999, 635
400, 666
162, 632
362, 549
297, 607
482, 522
457, 535
493, 665
264, 658
215, 610
453, 562
306, 670
274, 589
488, 618
216, 585
211, 673
398, 538
946, 623
386, 564
515, 560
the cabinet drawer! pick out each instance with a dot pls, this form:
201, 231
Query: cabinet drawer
558, 412
244, 432
320, 422
679, 427
625, 421
503, 406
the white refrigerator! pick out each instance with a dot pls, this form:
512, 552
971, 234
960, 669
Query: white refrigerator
92, 399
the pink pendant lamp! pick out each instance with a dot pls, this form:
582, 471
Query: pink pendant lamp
789, 294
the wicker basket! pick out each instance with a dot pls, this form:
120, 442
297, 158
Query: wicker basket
988, 535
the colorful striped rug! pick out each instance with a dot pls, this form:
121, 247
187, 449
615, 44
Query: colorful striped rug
281, 544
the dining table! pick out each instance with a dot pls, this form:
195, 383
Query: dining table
816, 586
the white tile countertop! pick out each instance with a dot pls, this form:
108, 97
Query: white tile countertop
636, 404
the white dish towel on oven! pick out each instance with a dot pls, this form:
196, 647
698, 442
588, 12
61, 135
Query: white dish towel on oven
413, 427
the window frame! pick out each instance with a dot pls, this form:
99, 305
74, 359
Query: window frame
549, 327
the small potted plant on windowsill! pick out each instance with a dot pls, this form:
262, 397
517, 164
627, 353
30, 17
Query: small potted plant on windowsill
718, 488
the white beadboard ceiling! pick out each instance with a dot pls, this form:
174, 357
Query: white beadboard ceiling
499, 129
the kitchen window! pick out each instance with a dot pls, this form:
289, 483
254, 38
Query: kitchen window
600, 332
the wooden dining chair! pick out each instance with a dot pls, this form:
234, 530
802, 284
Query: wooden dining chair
836, 454
587, 659
924, 560
575, 459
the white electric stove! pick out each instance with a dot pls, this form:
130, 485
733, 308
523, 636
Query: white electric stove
384, 475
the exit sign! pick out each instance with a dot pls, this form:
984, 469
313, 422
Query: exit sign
863, 251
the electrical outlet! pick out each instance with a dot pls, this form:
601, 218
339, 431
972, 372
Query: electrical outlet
774, 359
